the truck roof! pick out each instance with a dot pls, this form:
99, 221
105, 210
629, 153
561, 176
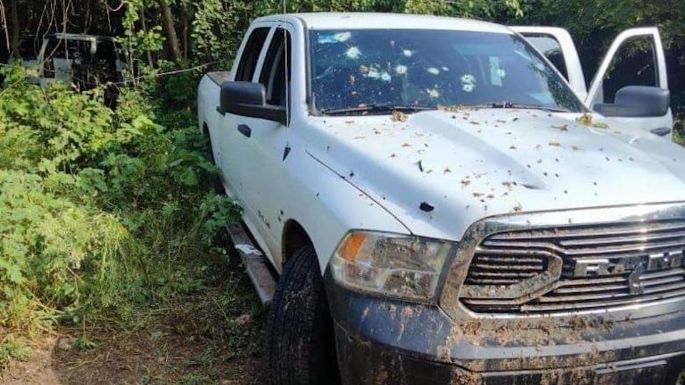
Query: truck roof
338, 21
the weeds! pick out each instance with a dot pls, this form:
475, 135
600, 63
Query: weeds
104, 215
679, 131
12, 347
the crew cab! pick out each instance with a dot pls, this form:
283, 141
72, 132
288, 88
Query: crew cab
431, 200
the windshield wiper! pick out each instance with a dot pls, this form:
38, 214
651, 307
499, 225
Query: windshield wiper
375, 108
521, 106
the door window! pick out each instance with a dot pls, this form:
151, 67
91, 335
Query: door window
635, 64
276, 69
250, 55
550, 47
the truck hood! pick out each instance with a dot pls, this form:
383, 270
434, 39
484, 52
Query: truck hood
439, 171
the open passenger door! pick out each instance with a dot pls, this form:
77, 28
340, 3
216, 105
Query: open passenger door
630, 88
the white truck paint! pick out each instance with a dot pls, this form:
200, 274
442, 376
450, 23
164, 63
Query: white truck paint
331, 174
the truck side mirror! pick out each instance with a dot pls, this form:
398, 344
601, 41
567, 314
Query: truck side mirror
637, 101
249, 99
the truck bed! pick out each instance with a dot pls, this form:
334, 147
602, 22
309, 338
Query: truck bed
219, 77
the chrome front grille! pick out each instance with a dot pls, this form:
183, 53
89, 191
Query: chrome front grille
594, 293
502, 269
603, 266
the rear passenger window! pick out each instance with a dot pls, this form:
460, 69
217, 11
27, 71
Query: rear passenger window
275, 74
248, 60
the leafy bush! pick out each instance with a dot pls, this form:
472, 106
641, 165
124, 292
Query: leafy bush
679, 134
101, 211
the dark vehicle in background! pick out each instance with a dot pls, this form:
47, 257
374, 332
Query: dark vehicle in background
85, 61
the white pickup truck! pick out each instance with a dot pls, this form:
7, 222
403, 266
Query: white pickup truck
442, 204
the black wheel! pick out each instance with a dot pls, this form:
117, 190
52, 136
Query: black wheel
217, 187
300, 347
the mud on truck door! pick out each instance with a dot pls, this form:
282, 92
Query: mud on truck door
630, 88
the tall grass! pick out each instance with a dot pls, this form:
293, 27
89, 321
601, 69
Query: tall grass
103, 214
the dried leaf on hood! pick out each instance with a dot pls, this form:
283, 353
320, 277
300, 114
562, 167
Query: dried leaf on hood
455, 108
586, 120
398, 116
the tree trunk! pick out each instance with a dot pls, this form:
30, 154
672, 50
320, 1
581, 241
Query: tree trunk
170, 30
14, 20
186, 18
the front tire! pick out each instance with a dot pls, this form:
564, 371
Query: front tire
300, 347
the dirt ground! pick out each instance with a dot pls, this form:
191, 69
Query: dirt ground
137, 358
213, 339
134, 359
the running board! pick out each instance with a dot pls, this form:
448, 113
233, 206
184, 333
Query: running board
255, 263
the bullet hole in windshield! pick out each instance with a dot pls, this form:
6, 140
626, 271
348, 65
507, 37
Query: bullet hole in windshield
408, 53
375, 73
353, 53
468, 83
343, 36
339, 37
433, 93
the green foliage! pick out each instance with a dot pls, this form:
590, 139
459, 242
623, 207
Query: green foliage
12, 348
219, 25
101, 211
679, 132
214, 29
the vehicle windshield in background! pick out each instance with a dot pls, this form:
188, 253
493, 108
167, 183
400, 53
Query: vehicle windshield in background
78, 61
379, 70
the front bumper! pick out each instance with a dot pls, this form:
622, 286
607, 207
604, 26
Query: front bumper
382, 341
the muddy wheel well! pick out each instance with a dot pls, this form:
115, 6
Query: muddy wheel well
294, 238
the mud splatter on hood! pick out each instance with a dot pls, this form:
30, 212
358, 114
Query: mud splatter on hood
466, 165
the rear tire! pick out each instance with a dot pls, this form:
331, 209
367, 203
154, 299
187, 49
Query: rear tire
300, 347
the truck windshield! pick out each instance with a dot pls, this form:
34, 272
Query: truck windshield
362, 71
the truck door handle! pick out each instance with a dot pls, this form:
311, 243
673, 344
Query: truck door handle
662, 131
245, 130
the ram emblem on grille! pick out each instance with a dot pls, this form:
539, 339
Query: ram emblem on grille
614, 266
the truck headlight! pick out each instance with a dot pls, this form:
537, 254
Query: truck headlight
401, 266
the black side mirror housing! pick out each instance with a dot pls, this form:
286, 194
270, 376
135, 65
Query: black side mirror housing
637, 101
249, 99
